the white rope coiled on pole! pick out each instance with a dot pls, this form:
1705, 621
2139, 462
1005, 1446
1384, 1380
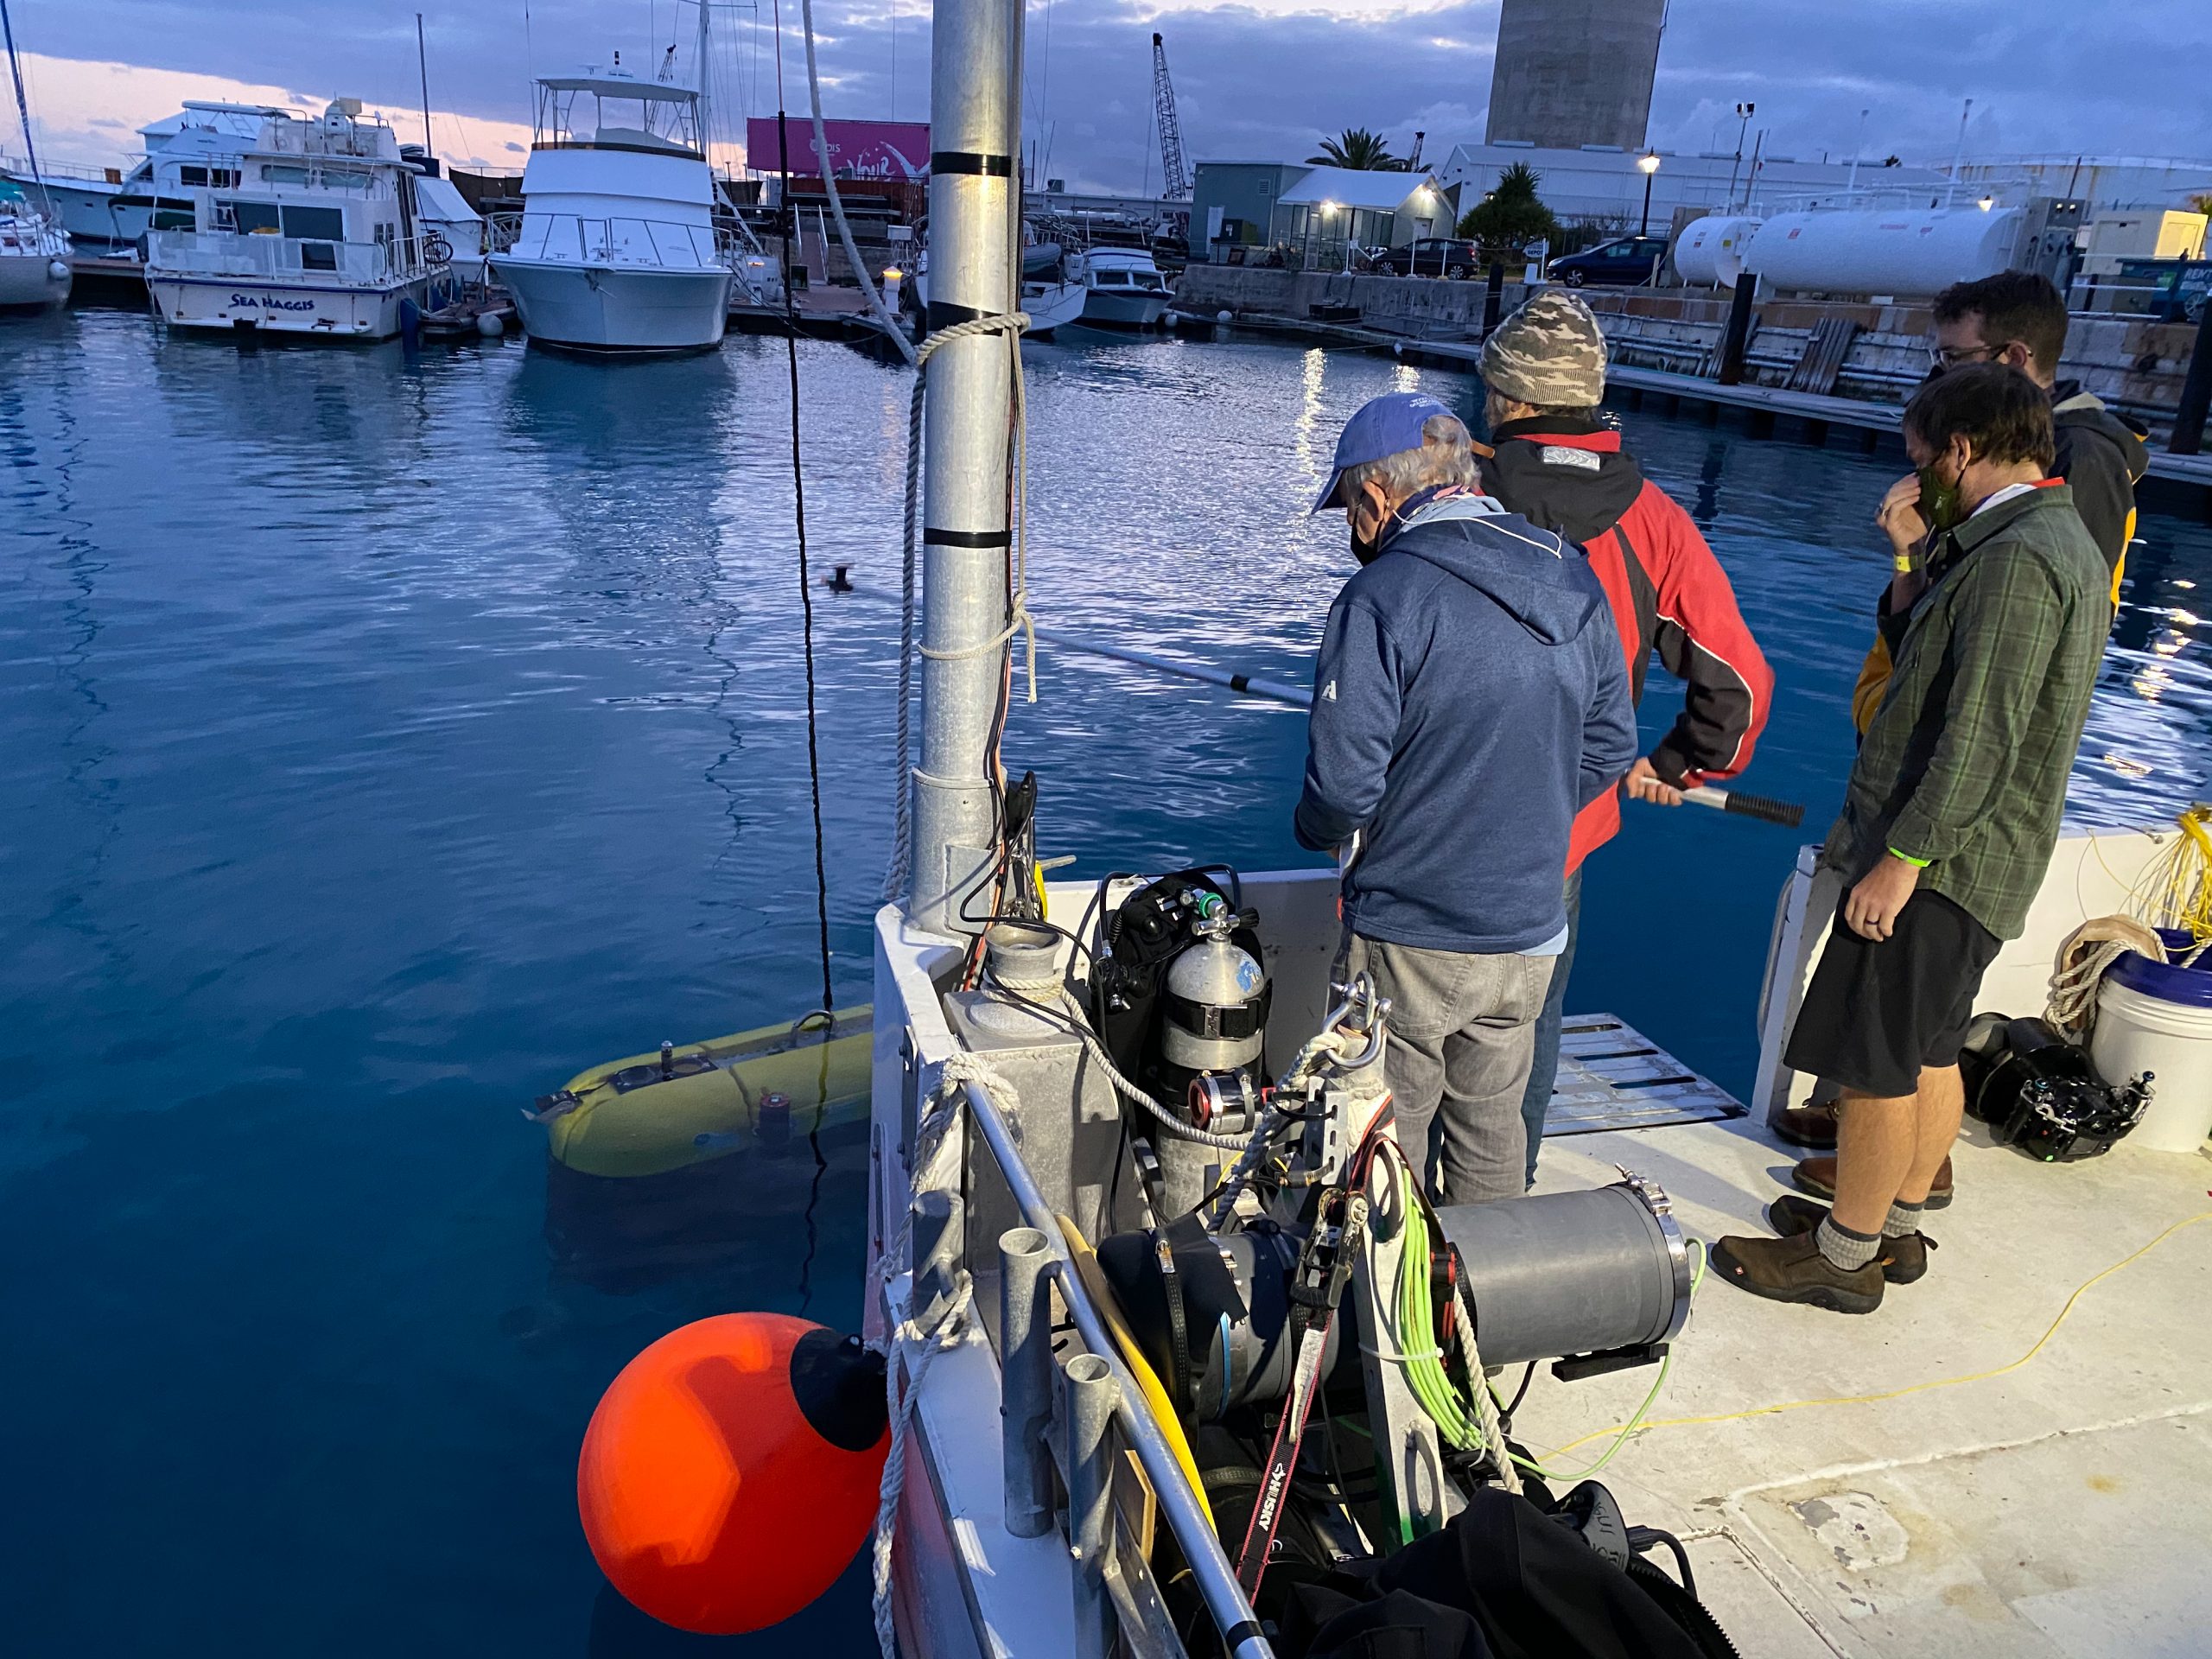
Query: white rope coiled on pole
1012, 325
909, 1342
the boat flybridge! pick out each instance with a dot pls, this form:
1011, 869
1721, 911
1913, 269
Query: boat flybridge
109, 210
310, 226
619, 248
1164, 1344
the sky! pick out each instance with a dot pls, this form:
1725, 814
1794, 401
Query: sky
1257, 79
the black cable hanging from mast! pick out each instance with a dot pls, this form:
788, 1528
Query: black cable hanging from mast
798, 507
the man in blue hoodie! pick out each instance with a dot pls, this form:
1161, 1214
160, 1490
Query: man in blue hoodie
1470, 699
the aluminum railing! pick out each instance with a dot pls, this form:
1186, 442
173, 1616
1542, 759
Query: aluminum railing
307, 261
1184, 1511
647, 244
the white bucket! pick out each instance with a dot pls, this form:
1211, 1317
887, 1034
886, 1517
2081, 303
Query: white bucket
2137, 1034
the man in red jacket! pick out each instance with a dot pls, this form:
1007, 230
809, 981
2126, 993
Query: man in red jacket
1560, 466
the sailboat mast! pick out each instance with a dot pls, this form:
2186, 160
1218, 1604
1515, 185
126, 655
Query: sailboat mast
422, 64
975, 205
699, 110
23, 108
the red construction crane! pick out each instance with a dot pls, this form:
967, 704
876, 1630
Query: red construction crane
1175, 183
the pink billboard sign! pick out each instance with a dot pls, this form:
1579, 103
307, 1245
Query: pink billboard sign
858, 149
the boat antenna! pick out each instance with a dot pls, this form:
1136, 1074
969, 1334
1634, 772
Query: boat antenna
423, 63
22, 106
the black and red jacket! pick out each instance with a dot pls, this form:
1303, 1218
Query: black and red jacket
1668, 592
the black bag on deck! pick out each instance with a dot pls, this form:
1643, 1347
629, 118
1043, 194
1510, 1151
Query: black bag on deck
1504, 1581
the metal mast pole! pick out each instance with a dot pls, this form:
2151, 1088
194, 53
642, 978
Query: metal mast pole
699, 109
423, 63
974, 136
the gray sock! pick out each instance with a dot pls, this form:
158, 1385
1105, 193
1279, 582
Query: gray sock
1904, 1220
1844, 1248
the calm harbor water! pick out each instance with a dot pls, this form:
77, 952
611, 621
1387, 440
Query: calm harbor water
387, 738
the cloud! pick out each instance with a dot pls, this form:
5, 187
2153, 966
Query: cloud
1254, 78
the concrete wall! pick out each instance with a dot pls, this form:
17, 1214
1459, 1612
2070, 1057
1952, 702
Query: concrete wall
2133, 363
1575, 72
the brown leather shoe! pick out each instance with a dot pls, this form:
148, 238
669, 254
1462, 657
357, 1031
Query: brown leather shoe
1817, 1177
1904, 1260
1810, 1126
1794, 1270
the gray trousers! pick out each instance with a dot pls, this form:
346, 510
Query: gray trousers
1463, 1030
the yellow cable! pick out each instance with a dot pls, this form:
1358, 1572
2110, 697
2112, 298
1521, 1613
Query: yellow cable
1915, 1387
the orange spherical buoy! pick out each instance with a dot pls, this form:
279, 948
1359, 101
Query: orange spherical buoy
730, 1471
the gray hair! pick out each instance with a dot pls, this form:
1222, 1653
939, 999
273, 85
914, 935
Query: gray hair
1444, 458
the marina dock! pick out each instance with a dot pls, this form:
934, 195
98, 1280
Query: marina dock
1816, 415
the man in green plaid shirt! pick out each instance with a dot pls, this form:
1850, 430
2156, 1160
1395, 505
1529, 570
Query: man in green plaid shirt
1949, 822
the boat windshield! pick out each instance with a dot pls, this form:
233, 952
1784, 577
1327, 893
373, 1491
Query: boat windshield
614, 111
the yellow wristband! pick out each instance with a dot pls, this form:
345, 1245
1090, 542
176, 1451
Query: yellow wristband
1902, 563
1907, 858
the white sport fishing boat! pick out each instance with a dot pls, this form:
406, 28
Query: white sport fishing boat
34, 270
310, 227
619, 249
1158, 1298
1123, 287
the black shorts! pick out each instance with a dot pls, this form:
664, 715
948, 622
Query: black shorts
1875, 1014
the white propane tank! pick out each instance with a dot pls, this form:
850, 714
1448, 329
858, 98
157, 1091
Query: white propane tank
1709, 253
1903, 251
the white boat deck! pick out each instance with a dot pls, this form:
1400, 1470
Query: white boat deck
2061, 1510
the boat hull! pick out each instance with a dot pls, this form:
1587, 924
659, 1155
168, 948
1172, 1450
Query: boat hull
231, 303
1131, 310
94, 216
615, 308
27, 282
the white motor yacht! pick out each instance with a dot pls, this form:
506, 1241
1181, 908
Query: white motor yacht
109, 210
1125, 289
310, 227
618, 250
33, 254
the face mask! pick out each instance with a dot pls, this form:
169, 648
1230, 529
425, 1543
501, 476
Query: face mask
1939, 500
1362, 549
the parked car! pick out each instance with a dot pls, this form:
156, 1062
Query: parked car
1432, 255
1625, 260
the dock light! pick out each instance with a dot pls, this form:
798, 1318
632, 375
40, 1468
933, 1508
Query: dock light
1648, 163
1986, 203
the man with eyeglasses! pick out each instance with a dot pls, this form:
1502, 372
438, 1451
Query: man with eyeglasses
2018, 319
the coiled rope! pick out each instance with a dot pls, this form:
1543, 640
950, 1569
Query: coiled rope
1012, 325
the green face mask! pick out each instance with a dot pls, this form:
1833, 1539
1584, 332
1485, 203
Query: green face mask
1939, 501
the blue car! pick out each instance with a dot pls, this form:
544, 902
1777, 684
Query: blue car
1623, 261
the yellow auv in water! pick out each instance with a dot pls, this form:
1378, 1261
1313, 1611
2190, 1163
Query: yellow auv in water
653, 1113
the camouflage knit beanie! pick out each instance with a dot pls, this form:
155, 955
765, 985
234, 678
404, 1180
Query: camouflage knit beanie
1550, 352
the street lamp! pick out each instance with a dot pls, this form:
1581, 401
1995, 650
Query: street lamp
1744, 114
1649, 163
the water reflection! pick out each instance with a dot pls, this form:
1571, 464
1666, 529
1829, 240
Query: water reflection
410, 734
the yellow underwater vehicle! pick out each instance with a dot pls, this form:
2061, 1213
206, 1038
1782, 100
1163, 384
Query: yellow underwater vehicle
652, 1114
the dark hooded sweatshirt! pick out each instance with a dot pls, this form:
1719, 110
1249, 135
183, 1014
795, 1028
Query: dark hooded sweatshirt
2102, 458
1470, 698
1668, 592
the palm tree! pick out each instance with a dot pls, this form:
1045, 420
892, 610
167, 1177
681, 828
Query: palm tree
1512, 215
1358, 149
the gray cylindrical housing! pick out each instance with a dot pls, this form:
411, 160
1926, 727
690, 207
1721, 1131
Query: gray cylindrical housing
1570, 1272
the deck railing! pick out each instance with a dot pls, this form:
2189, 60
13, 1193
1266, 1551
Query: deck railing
579, 238
1184, 1511
308, 261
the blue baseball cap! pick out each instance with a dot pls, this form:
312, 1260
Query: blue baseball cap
1387, 425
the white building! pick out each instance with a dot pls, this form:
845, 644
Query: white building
1332, 208
1602, 184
